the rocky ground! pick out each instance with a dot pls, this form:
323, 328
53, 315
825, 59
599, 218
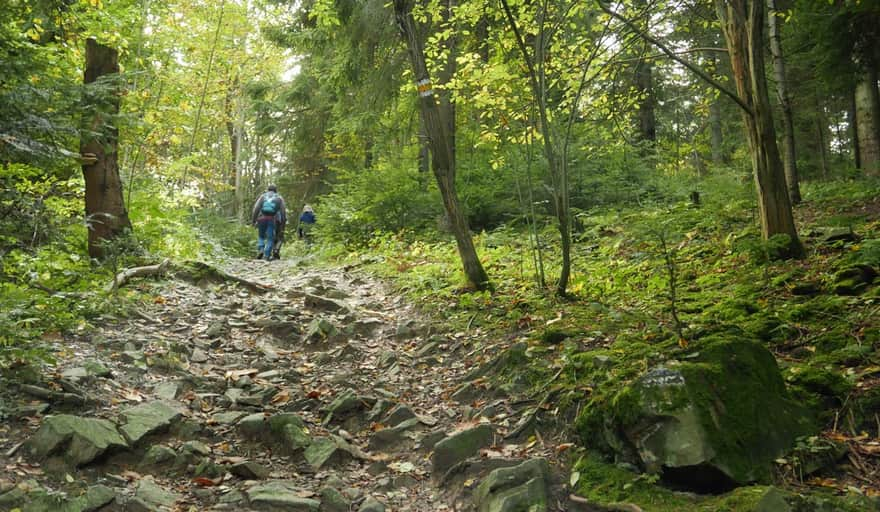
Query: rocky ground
271, 387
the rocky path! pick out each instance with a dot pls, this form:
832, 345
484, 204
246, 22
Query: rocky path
312, 390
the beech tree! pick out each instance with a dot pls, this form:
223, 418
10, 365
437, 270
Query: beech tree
106, 215
742, 22
436, 117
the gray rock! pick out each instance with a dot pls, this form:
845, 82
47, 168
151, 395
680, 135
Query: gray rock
289, 430
510, 489
460, 446
158, 454
252, 425
147, 418
333, 501
324, 304
706, 416
392, 437
249, 470
371, 505
153, 497
280, 495
82, 439
427, 349
319, 330
325, 451
345, 403
466, 393
399, 413
196, 448
198, 356
773, 500
228, 417
167, 390
387, 358
429, 440
379, 409
216, 329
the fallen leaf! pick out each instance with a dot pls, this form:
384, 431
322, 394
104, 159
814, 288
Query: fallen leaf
206, 482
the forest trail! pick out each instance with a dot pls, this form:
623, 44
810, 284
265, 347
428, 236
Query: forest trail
316, 389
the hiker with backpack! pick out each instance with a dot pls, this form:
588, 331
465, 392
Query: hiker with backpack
306, 221
268, 211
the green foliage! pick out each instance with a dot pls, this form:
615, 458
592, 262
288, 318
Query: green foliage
384, 199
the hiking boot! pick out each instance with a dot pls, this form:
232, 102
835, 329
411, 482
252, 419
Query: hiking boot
259, 255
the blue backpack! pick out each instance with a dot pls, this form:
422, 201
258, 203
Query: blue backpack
270, 204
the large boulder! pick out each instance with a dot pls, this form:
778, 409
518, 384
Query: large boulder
711, 422
81, 440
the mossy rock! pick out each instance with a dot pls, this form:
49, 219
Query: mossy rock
715, 421
854, 280
826, 383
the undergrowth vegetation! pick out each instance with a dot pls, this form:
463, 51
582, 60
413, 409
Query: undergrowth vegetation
49, 288
651, 283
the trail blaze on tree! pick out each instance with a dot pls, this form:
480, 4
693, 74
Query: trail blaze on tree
436, 120
106, 215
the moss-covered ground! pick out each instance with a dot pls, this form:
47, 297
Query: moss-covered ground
652, 283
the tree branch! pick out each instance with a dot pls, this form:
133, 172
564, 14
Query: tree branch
672, 55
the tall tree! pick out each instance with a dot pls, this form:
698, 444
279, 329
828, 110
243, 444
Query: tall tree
789, 153
742, 22
106, 215
436, 118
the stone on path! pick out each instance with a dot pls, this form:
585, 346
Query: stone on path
82, 439
319, 329
280, 495
333, 501
511, 489
324, 304
392, 437
398, 414
371, 505
459, 447
30, 497
326, 451
249, 470
159, 454
151, 497
167, 390
147, 418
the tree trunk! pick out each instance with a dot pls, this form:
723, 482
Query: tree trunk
436, 122
789, 155
233, 130
106, 215
854, 129
558, 170
743, 24
867, 100
716, 139
645, 90
822, 139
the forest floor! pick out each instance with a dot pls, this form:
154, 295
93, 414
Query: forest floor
346, 356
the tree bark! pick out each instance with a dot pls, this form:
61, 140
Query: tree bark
854, 129
645, 90
233, 129
743, 24
716, 138
436, 122
867, 100
789, 154
106, 215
